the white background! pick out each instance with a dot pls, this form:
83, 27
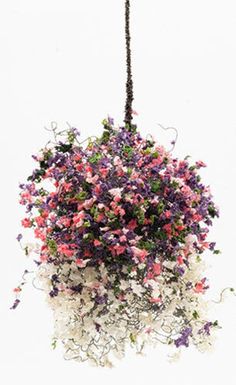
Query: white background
65, 61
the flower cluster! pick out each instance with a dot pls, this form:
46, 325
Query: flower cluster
121, 225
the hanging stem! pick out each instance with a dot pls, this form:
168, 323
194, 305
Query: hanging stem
129, 82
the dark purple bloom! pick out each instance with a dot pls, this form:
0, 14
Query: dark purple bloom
180, 271
206, 329
15, 304
55, 278
54, 292
77, 288
183, 340
19, 237
101, 299
97, 326
212, 245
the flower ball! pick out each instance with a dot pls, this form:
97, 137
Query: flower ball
120, 228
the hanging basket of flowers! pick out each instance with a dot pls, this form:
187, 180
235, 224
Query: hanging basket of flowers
120, 227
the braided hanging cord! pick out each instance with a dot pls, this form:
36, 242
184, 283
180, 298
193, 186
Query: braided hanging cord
129, 82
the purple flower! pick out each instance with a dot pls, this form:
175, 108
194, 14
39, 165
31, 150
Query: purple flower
206, 329
180, 271
183, 340
101, 299
110, 120
15, 304
77, 288
54, 292
19, 237
97, 326
212, 245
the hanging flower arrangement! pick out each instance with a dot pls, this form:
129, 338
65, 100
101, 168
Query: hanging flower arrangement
120, 227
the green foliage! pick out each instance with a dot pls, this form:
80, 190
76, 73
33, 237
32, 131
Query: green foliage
212, 211
64, 147
81, 195
155, 185
95, 158
52, 246
127, 150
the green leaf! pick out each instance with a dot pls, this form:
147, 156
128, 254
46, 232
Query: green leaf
212, 211
81, 196
132, 338
54, 344
195, 314
71, 137
127, 150
52, 246
147, 245
129, 171
160, 208
155, 155
64, 147
155, 185
95, 158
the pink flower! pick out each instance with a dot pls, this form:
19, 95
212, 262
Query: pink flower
180, 260
132, 224
156, 268
199, 287
17, 290
180, 227
168, 228
104, 172
79, 167
81, 262
65, 249
186, 191
123, 238
43, 258
78, 219
117, 198
119, 249
96, 242
65, 221
120, 171
88, 203
200, 163
67, 186
139, 253
92, 179
155, 300
26, 222
39, 234
26, 196
167, 214
140, 162
197, 217
121, 211
99, 217
87, 253
40, 221
88, 169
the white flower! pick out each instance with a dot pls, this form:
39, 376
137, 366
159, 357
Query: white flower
137, 288
115, 191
